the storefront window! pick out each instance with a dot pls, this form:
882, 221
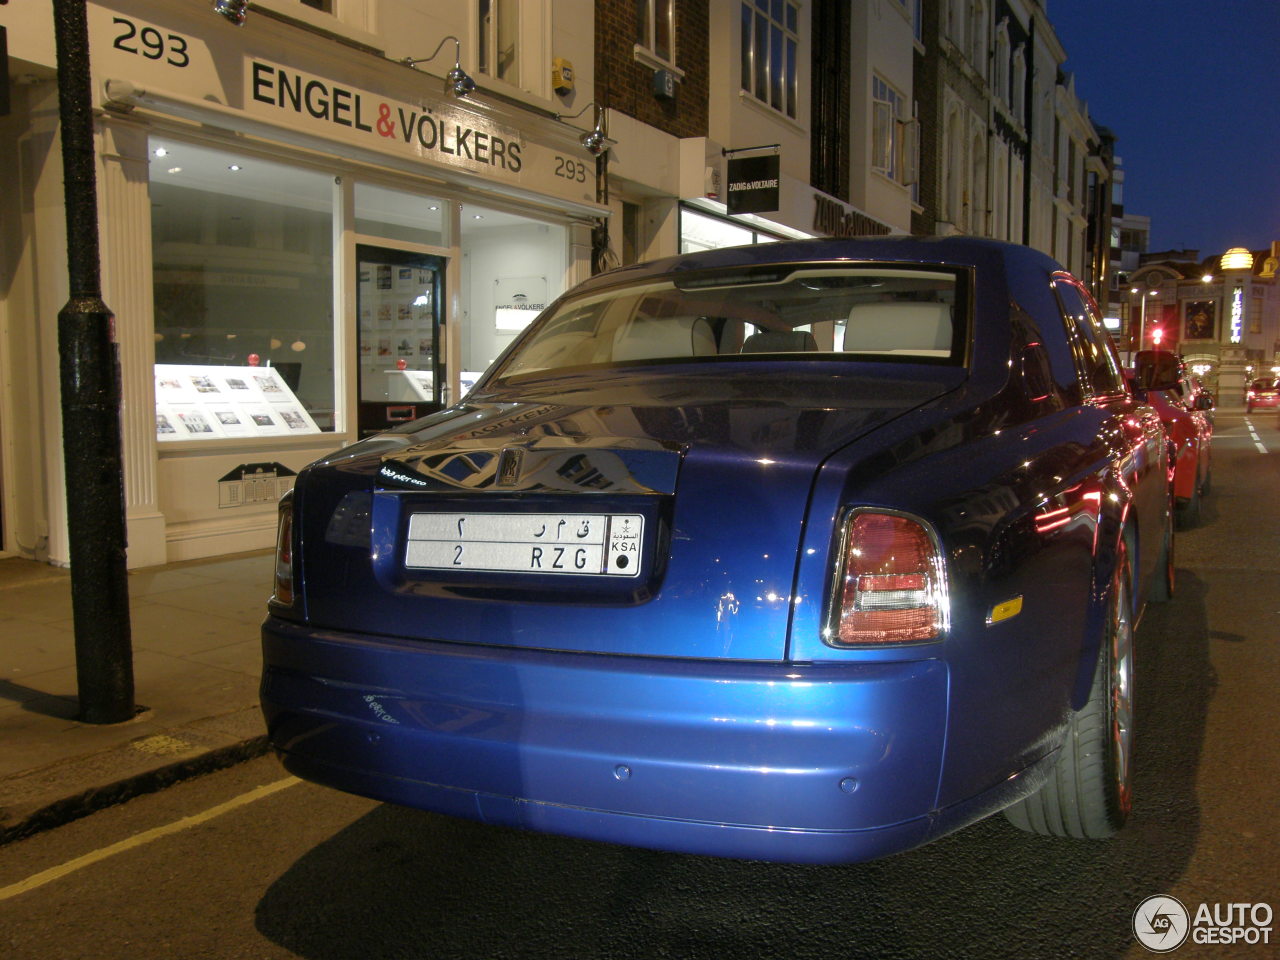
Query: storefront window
512, 267
701, 232
242, 253
708, 233
396, 215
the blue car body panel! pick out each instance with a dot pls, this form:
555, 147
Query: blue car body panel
696, 704
830, 751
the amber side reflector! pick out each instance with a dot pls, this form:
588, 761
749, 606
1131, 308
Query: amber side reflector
891, 586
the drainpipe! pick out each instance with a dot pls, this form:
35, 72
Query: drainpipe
90, 381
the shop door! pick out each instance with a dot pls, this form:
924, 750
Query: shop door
399, 302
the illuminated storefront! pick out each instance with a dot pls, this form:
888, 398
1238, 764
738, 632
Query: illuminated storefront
302, 243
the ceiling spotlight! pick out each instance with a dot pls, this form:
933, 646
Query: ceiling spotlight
456, 80
595, 141
233, 10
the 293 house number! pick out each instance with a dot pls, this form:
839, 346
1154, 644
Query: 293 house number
150, 43
571, 169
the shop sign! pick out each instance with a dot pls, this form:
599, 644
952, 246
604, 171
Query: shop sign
439, 134
1237, 315
752, 184
173, 58
831, 219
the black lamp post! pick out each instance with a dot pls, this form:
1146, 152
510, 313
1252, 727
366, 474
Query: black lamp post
90, 380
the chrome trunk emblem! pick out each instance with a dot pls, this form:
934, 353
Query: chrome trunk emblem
509, 462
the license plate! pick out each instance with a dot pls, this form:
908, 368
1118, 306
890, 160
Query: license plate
548, 543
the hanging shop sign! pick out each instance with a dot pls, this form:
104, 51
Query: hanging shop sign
752, 184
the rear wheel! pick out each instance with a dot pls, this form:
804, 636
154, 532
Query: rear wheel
1088, 792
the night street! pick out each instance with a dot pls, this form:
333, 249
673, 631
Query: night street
303, 871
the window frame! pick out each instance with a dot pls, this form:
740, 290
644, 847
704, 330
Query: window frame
1085, 332
648, 18
894, 144
778, 91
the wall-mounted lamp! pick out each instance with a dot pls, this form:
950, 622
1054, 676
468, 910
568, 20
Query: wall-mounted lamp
595, 141
456, 80
233, 10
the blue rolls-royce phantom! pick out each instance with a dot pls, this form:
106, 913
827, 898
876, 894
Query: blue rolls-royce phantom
807, 551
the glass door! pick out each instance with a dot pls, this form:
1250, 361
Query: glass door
399, 306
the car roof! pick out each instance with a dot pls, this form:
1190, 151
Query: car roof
956, 251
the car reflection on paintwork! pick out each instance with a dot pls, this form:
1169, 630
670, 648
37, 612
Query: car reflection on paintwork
808, 551
1164, 382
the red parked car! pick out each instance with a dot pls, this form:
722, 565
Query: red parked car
1186, 413
1262, 393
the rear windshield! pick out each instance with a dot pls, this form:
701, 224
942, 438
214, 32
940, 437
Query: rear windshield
865, 313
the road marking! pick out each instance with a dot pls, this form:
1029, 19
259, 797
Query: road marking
1253, 434
71, 866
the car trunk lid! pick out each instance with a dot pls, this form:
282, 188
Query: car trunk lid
657, 519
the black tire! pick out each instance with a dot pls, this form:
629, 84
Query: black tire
1208, 477
1088, 794
1163, 580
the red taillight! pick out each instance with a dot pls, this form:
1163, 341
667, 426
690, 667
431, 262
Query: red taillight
890, 587
284, 552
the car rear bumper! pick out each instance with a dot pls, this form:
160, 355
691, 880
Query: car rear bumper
818, 763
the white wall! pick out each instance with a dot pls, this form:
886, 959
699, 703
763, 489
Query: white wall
493, 260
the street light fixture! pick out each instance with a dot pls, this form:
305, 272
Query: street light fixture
233, 10
457, 81
595, 141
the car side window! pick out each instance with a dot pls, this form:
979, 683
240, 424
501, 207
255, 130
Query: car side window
1095, 354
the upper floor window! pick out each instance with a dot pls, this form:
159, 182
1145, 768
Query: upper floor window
886, 107
770, 41
656, 28
976, 34
498, 35
1020, 87
955, 22
1000, 71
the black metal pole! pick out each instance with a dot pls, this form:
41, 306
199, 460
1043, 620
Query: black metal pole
90, 379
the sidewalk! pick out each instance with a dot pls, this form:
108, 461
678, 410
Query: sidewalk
197, 661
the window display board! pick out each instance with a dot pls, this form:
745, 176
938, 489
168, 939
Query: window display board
410, 386
197, 402
396, 323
